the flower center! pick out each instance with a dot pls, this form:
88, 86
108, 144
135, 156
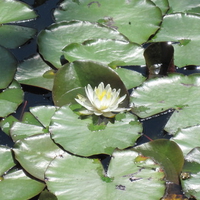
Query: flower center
101, 94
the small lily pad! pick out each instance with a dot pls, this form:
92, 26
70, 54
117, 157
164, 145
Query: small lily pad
105, 51
34, 153
74, 135
10, 99
18, 186
31, 72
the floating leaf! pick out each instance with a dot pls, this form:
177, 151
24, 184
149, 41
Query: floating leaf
163, 5
105, 51
8, 67
35, 153
71, 79
82, 141
18, 186
123, 179
191, 184
187, 138
31, 72
167, 154
52, 40
11, 35
184, 6
177, 28
10, 99
130, 78
17, 11
6, 159
120, 15
158, 95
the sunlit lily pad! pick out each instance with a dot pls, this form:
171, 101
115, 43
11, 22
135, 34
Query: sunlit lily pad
11, 35
8, 66
123, 179
71, 79
105, 51
18, 186
17, 11
121, 15
10, 99
79, 136
6, 159
182, 28
32, 72
177, 92
191, 184
187, 138
32, 124
130, 77
35, 153
51, 41
163, 5
184, 6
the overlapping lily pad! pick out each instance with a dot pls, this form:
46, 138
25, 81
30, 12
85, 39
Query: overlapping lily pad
10, 99
52, 40
71, 79
158, 95
35, 153
82, 137
8, 66
32, 72
187, 138
184, 29
85, 178
33, 123
11, 35
121, 15
105, 51
190, 183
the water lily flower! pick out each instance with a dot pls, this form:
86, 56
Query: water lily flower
101, 101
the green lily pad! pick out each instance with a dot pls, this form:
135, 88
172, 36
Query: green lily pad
187, 138
7, 123
120, 15
35, 153
167, 154
8, 67
105, 51
160, 94
191, 184
163, 5
32, 72
10, 99
183, 28
13, 36
33, 123
6, 159
184, 6
11, 10
52, 40
75, 134
18, 186
71, 79
46, 195
130, 78
123, 179
43, 114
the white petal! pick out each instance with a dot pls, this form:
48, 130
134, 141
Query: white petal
86, 112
